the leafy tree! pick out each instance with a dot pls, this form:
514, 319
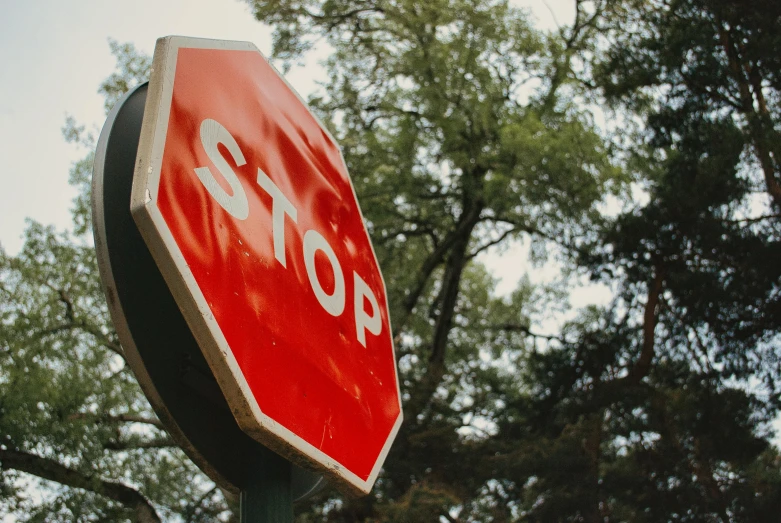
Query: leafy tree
462, 130
71, 412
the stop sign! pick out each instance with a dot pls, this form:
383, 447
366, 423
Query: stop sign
244, 200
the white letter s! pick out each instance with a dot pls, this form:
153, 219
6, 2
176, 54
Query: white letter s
212, 134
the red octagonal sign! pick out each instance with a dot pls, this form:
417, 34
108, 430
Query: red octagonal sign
245, 203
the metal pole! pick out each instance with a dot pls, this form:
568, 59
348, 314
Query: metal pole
268, 496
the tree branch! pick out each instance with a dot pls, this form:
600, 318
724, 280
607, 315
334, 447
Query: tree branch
572, 44
748, 221
516, 327
451, 283
434, 259
64, 298
157, 443
755, 122
643, 364
491, 243
520, 226
119, 418
82, 325
53, 471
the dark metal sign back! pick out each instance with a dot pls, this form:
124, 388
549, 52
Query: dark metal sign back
159, 345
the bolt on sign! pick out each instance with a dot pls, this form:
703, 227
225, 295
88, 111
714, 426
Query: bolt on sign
244, 201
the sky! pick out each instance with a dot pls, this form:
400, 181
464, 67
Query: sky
54, 55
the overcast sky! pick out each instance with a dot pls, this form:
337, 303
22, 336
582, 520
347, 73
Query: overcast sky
54, 54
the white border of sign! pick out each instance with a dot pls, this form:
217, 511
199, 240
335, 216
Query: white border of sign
158, 237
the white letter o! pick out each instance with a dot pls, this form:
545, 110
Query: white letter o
332, 303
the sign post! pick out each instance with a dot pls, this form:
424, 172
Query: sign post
267, 497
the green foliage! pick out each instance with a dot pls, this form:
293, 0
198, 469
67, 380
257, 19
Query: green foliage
71, 412
132, 69
455, 145
67, 395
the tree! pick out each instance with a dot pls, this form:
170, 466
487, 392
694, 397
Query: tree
674, 385
641, 410
461, 129
71, 412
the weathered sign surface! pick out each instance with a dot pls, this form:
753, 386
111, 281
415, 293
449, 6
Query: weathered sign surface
245, 202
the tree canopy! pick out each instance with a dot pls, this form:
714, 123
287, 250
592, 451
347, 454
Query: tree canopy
636, 147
